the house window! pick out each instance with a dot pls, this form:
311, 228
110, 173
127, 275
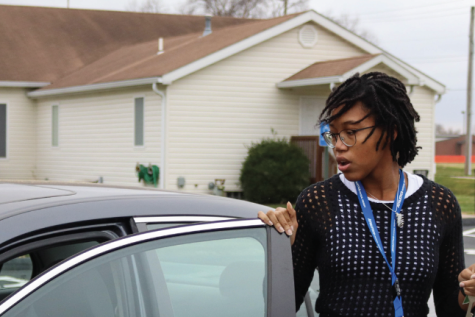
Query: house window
55, 126
139, 121
3, 130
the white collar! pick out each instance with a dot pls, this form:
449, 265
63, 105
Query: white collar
414, 183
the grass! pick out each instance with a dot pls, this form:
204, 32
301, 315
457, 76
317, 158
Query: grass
463, 189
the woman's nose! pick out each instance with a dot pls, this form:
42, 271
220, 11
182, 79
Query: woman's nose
340, 146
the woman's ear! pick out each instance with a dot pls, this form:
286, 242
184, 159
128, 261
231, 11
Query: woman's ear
394, 132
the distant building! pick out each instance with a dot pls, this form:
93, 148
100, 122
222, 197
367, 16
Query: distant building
85, 94
445, 137
452, 150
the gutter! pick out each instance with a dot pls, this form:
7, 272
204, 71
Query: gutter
310, 82
24, 84
162, 133
93, 87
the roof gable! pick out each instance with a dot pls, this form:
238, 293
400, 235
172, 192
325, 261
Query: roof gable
337, 71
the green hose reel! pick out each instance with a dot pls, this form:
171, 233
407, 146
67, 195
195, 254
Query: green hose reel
149, 174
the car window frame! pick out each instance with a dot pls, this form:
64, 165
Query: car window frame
54, 241
141, 223
280, 290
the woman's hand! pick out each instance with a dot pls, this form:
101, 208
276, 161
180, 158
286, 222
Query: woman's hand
467, 280
283, 220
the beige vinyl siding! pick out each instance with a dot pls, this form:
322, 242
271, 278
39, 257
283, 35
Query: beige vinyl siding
215, 113
423, 100
21, 130
96, 137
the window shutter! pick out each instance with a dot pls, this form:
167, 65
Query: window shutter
55, 126
3, 130
139, 122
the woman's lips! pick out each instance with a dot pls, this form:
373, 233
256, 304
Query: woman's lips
343, 164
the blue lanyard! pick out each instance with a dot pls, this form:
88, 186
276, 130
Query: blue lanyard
369, 217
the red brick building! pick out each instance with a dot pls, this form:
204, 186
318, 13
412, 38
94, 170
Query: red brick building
452, 150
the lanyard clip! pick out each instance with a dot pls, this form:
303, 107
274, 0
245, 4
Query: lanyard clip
396, 289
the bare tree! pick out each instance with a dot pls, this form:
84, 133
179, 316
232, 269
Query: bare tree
352, 23
150, 6
284, 7
244, 8
441, 131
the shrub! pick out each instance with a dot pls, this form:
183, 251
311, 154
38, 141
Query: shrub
275, 171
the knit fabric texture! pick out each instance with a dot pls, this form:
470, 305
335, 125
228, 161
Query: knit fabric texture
354, 278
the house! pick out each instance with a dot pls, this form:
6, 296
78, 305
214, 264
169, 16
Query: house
87, 94
452, 150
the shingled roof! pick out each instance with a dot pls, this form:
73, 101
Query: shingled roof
141, 60
335, 67
44, 44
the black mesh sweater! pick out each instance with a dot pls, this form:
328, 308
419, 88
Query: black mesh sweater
354, 278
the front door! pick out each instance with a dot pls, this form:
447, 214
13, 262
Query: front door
310, 109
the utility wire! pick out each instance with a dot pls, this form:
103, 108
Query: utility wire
430, 38
410, 8
419, 18
404, 18
437, 62
435, 57
423, 13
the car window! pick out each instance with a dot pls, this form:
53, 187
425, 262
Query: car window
16, 272
210, 274
314, 290
302, 312
219, 277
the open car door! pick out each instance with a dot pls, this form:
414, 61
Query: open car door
225, 268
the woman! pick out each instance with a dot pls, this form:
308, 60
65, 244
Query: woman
418, 245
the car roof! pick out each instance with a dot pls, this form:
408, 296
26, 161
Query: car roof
30, 206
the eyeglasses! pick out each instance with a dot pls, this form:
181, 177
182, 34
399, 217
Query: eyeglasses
348, 137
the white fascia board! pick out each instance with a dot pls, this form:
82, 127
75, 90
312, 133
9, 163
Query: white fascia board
93, 87
424, 80
412, 79
310, 16
345, 33
25, 84
310, 82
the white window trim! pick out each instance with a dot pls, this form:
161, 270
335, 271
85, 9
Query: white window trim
51, 126
139, 147
7, 135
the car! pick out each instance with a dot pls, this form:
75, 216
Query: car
96, 250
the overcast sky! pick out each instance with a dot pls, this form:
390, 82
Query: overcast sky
431, 35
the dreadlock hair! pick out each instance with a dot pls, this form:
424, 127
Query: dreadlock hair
386, 99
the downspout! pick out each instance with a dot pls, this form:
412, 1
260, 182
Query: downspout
162, 134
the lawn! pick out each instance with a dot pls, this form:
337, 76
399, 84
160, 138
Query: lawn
463, 189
